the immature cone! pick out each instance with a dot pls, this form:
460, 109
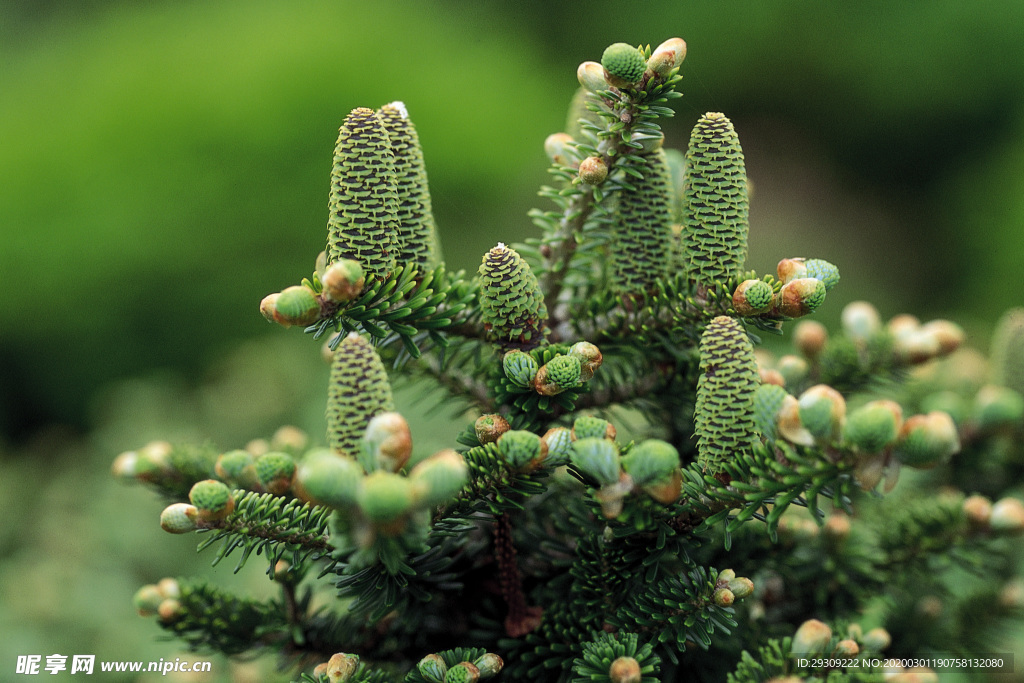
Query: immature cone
822, 270
812, 637
416, 231
667, 56
343, 281
559, 443
385, 496
489, 664
799, 297
558, 374
598, 458
363, 220
625, 670
822, 411
296, 306
463, 672
358, 390
522, 450
588, 426
623, 64
874, 426
212, 500
520, 367
715, 202
724, 415
1008, 351
274, 472
642, 241
490, 427
433, 668
511, 304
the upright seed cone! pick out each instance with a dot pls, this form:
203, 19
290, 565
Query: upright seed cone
511, 303
358, 391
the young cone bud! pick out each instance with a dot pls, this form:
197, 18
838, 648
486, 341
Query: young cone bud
237, 467
623, 64
790, 269
489, 665
212, 499
810, 336
590, 359
522, 450
927, 440
439, 478
433, 668
978, 510
824, 271
274, 472
558, 374
179, 518
716, 202
358, 390
667, 56
343, 281
268, 307
861, 321
363, 221
812, 637
147, 600
597, 458
296, 306
557, 147
752, 297
464, 672
1007, 516
588, 426
342, 667
822, 411
593, 170
793, 369
386, 444
800, 297
876, 640
489, 428
591, 76
625, 670
767, 404
512, 306
328, 478
874, 426
385, 496
559, 443
520, 367
724, 415
997, 407
651, 461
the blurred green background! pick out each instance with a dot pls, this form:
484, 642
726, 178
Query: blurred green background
164, 165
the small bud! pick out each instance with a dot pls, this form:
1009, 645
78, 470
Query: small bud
212, 499
169, 610
861, 321
769, 376
522, 450
153, 461
179, 518
520, 368
809, 337
386, 443
237, 467
789, 424
837, 527
874, 426
625, 670
169, 588
385, 496
997, 407
876, 640
289, 438
439, 478
463, 672
593, 170
927, 440
799, 297
949, 336
768, 402
558, 374
847, 648
623, 64
724, 597
489, 665
667, 56
651, 461
591, 77
296, 305
342, 667
433, 668
811, 638
489, 428
557, 147
559, 443
741, 587
268, 307
667, 490
822, 411
592, 427
343, 281
124, 465
902, 325
590, 358
1007, 516
824, 271
752, 297
597, 458
978, 510
147, 600
725, 576
791, 269
793, 369
274, 472
329, 478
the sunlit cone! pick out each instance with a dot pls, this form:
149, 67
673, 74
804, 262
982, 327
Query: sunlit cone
358, 390
558, 374
342, 667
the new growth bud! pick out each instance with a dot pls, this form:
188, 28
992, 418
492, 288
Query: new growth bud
625, 670
212, 499
752, 297
439, 478
593, 170
812, 637
591, 76
522, 450
386, 444
179, 518
597, 458
489, 428
623, 64
295, 306
328, 478
343, 281
667, 56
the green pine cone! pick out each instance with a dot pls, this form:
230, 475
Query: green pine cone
767, 403
359, 390
1007, 352
511, 304
363, 221
416, 232
724, 418
642, 241
715, 202
624, 63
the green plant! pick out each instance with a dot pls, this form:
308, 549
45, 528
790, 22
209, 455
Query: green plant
550, 545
